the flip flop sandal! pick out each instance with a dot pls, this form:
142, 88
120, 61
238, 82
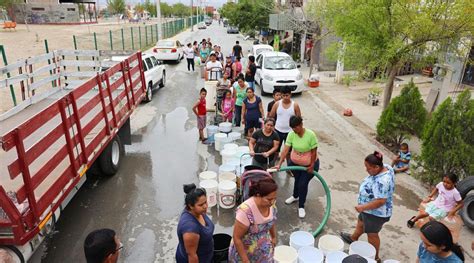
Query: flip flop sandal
411, 223
346, 237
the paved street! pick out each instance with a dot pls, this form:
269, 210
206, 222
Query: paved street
142, 202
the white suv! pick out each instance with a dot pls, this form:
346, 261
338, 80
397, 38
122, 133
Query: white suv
155, 73
276, 70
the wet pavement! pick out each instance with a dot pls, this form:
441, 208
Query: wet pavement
142, 202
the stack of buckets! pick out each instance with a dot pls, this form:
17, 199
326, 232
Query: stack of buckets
330, 249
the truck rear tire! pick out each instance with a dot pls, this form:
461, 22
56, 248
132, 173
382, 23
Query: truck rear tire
111, 157
467, 211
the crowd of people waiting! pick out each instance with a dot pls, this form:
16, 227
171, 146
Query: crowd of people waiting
275, 138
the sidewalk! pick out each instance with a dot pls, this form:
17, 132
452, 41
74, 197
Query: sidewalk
354, 97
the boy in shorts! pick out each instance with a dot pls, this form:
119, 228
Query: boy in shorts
200, 110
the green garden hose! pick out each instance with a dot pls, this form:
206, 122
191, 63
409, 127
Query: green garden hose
326, 189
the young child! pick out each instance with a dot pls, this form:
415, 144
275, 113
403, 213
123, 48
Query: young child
402, 162
276, 97
200, 110
228, 104
447, 203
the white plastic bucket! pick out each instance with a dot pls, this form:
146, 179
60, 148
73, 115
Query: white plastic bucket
335, 257
235, 135
330, 243
211, 191
228, 155
231, 146
285, 254
211, 130
207, 175
310, 255
226, 168
362, 248
235, 163
227, 191
369, 260
227, 176
391, 261
219, 139
299, 239
225, 127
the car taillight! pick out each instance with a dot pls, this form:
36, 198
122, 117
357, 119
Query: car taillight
173, 50
155, 50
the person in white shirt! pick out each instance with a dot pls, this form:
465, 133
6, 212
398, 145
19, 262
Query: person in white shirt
213, 68
189, 52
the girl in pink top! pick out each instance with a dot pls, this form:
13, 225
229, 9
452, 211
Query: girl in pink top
228, 104
447, 203
254, 237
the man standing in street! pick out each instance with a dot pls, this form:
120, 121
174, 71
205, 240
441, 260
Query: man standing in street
250, 73
237, 51
282, 111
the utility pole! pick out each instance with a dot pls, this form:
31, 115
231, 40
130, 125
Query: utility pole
192, 26
158, 16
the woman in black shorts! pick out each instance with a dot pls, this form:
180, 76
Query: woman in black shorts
252, 112
375, 201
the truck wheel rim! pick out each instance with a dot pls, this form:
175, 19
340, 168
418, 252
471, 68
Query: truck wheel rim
149, 93
115, 153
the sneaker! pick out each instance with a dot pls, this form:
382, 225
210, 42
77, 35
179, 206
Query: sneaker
301, 213
346, 237
290, 200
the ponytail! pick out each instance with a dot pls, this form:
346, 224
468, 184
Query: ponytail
375, 159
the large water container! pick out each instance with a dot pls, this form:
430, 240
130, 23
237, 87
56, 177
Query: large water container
220, 139
335, 257
362, 248
285, 254
227, 191
211, 191
329, 243
228, 155
211, 130
207, 175
310, 255
299, 239
225, 127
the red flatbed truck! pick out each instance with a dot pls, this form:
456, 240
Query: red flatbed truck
56, 134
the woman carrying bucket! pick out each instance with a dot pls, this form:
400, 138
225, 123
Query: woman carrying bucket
254, 236
264, 144
195, 228
375, 201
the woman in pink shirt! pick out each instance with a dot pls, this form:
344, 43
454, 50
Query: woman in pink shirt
447, 203
254, 237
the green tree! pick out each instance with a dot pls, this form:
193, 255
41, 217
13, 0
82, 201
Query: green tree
383, 34
181, 10
405, 116
116, 6
8, 6
248, 15
448, 141
165, 9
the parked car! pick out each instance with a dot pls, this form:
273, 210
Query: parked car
169, 50
202, 25
208, 22
225, 22
154, 71
232, 30
257, 49
277, 69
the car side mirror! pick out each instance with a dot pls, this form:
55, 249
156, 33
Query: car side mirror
298, 66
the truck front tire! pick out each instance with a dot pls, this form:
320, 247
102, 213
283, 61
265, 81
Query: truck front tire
111, 157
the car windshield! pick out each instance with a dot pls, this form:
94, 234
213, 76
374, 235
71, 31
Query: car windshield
260, 50
279, 63
166, 44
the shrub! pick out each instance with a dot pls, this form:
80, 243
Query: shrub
448, 140
405, 116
